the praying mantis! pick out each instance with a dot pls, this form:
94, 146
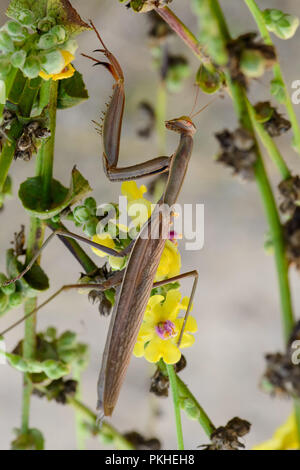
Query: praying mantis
135, 282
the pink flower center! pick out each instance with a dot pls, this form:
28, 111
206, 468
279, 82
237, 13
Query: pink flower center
165, 329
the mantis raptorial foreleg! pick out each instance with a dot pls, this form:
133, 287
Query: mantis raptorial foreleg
114, 281
112, 127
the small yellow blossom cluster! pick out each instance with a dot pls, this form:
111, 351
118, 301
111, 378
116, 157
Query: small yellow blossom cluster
161, 328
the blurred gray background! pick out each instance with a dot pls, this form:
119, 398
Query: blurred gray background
237, 301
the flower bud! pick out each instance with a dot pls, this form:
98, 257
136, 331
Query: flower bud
209, 81
18, 59
53, 62
46, 24
26, 18
117, 262
91, 205
252, 63
15, 299
281, 24
59, 32
47, 41
81, 214
90, 227
70, 46
32, 67
6, 289
277, 90
3, 301
6, 42
15, 30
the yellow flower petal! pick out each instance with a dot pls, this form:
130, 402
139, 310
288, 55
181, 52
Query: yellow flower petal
171, 306
146, 333
131, 191
139, 348
191, 324
105, 240
152, 351
185, 303
68, 57
170, 262
170, 353
67, 71
187, 340
284, 438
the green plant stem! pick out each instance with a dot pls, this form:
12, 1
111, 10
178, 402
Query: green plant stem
44, 162
278, 75
8, 151
176, 403
47, 150
203, 418
81, 434
186, 394
105, 429
269, 143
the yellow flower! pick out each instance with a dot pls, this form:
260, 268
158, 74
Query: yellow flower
139, 208
170, 262
161, 328
284, 438
67, 71
105, 239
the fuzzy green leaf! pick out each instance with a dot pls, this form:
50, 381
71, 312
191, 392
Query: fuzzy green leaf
71, 91
30, 194
65, 14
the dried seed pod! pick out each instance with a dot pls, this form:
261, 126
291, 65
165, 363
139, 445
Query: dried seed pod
105, 306
58, 390
159, 384
141, 443
237, 152
19, 242
292, 238
7, 118
274, 123
32, 127
226, 437
23, 155
42, 133
24, 142
180, 365
282, 377
249, 58
290, 190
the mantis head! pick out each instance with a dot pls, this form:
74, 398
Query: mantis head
182, 125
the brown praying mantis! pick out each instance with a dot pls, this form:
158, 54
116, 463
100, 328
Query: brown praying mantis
135, 282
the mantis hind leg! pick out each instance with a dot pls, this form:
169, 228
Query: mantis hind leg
114, 281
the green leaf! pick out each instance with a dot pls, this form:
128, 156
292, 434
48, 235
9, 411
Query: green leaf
26, 11
31, 192
65, 14
33, 282
71, 91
